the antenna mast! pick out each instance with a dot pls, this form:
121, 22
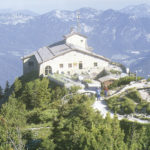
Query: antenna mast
78, 22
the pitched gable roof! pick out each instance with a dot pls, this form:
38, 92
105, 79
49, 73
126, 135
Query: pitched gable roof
46, 53
74, 33
59, 48
58, 43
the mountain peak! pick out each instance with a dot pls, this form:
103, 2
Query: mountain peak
142, 10
23, 12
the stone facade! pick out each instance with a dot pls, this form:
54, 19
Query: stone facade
74, 62
78, 41
69, 56
30, 64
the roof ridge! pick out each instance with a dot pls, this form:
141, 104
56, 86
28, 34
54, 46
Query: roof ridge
70, 34
57, 43
50, 51
39, 55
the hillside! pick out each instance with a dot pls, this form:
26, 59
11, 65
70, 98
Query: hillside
121, 35
36, 116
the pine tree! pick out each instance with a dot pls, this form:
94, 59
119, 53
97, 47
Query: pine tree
17, 85
7, 87
36, 94
1, 93
12, 119
117, 134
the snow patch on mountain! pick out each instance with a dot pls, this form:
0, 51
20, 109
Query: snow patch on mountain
142, 10
133, 17
87, 28
138, 35
133, 29
58, 14
64, 15
14, 19
88, 13
114, 33
106, 29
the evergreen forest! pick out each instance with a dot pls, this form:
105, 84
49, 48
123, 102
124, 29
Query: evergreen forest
36, 114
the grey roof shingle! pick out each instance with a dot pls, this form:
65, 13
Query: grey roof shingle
38, 58
47, 53
57, 43
56, 50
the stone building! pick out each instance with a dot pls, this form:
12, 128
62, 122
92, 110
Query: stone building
69, 56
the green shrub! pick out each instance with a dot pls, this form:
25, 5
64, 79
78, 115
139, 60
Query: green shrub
31, 76
141, 107
128, 106
148, 79
115, 71
74, 89
34, 117
87, 81
123, 105
74, 77
113, 103
134, 95
48, 115
148, 108
123, 81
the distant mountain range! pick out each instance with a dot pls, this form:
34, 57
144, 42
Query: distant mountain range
122, 35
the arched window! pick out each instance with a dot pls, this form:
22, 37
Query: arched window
48, 70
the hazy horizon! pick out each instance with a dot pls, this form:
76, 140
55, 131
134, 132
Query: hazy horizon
43, 6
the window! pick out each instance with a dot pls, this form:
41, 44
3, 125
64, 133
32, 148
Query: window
95, 64
61, 65
69, 65
74, 64
81, 41
48, 70
30, 63
80, 65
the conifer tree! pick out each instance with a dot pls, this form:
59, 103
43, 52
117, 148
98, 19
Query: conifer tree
7, 87
36, 94
117, 134
17, 85
1, 92
12, 119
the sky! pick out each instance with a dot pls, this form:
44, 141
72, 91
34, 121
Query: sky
42, 6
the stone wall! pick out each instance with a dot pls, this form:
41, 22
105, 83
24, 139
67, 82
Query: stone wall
69, 63
77, 41
30, 64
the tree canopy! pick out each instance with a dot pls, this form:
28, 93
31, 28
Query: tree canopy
36, 116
